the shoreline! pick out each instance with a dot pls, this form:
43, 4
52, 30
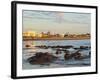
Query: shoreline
56, 39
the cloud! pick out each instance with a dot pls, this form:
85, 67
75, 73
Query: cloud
60, 17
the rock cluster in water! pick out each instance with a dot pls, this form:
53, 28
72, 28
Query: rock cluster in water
45, 57
77, 56
46, 47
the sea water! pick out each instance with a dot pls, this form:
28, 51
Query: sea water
60, 62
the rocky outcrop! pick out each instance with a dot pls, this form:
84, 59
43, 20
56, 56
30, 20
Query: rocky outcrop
67, 56
27, 46
41, 58
46, 47
77, 55
58, 51
84, 47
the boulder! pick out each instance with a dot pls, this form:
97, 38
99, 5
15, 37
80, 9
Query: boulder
90, 54
67, 56
77, 55
84, 47
27, 46
41, 58
58, 51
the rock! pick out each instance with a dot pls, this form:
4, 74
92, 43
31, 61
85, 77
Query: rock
58, 51
89, 54
46, 47
41, 58
66, 51
84, 47
43, 47
77, 55
76, 48
31, 59
27, 45
69, 46
67, 56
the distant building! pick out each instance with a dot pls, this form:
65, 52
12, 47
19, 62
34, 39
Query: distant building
48, 33
29, 34
39, 35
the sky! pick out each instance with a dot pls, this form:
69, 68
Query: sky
56, 22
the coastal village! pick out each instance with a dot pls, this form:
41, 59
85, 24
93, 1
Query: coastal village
30, 35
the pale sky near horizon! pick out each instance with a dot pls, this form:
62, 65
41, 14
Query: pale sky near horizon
56, 22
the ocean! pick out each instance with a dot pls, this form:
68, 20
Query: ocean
59, 63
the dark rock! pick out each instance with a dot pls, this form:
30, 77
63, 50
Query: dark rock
67, 56
89, 54
46, 47
27, 45
77, 55
76, 48
58, 51
67, 47
66, 51
84, 47
86, 64
41, 58
43, 47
